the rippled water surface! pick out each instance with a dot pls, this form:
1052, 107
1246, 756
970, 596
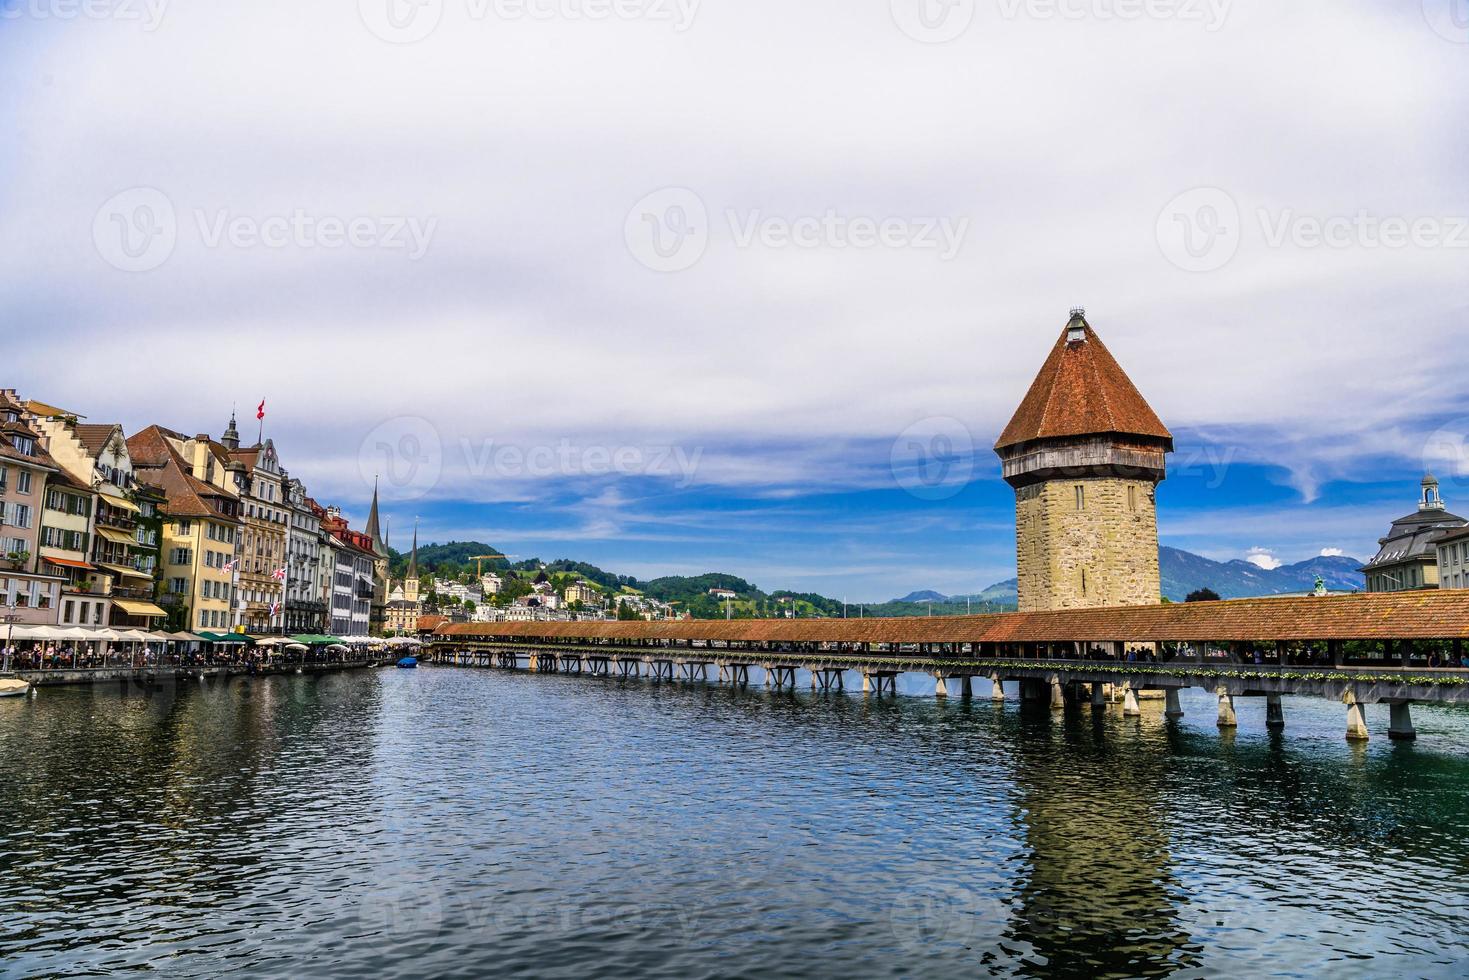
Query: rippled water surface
466, 823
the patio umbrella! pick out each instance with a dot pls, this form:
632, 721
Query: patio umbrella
37, 633
134, 636
272, 641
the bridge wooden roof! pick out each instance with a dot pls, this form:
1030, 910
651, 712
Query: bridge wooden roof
1427, 615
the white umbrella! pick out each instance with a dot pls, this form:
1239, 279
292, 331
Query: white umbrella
110, 635
75, 633
298, 647
272, 641
134, 636
36, 633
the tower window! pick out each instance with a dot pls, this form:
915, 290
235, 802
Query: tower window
1083, 581
1080, 497
1132, 499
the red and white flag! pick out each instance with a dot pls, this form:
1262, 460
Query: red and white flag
275, 607
279, 574
229, 566
260, 412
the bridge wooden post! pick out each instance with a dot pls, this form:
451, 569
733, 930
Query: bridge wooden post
1274, 712
1227, 718
1099, 696
966, 687
1171, 706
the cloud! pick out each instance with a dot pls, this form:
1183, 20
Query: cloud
1332, 553
1264, 558
790, 371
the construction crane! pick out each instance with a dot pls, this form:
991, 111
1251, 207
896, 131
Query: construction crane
479, 560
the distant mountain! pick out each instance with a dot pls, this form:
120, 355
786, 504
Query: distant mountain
1184, 572
927, 595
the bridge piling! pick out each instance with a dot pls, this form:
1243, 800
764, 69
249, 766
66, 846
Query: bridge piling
997, 689
1099, 696
1171, 706
1356, 719
1274, 712
1130, 707
941, 688
1058, 696
1400, 724
1227, 718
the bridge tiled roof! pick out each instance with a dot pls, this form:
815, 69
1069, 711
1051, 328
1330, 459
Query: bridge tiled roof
1429, 614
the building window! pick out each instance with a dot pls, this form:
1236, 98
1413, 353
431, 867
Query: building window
1132, 499
23, 482
1080, 497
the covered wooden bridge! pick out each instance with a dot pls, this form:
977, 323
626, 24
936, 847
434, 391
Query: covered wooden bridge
1392, 648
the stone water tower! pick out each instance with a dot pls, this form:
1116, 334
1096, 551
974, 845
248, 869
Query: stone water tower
1085, 454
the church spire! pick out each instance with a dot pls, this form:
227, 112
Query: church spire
413, 555
231, 437
373, 529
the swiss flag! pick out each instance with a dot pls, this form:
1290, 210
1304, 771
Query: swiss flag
260, 412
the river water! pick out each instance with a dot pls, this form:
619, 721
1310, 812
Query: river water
467, 823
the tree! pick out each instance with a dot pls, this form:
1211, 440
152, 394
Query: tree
1203, 595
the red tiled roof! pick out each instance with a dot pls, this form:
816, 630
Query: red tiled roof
186, 494
1430, 614
94, 437
1081, 390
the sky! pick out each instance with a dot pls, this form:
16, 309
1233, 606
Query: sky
675, 286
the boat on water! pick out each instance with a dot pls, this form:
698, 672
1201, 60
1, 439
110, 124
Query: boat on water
408, 663
14, 687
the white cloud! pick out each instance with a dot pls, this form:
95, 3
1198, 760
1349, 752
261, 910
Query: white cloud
1264, 558
1332, 553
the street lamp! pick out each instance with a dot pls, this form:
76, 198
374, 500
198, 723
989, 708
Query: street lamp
10, 618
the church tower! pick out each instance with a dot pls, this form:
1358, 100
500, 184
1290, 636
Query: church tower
410, 579
1085, 454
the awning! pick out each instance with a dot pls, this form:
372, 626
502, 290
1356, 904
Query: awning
69, 563
116, 536
127, 570
315, 639
228, 638
120, 503
134, 607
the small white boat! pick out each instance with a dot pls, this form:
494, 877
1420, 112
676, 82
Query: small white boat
14, 687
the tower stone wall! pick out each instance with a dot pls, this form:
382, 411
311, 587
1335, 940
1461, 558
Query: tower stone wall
1087, 542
